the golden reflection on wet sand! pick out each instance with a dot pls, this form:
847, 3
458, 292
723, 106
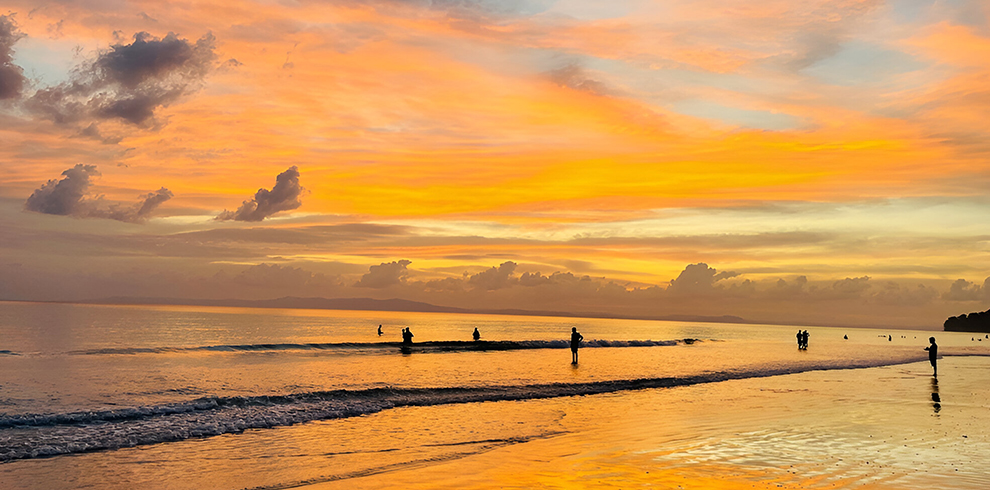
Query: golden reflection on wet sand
868, 428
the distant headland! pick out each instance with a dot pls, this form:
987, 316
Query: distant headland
973, 322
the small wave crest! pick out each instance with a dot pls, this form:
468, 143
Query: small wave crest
40, 435
434, 346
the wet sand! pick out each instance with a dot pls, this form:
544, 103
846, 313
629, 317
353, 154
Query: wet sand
863, 428
874, 428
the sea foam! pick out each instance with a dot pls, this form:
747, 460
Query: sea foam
40, 435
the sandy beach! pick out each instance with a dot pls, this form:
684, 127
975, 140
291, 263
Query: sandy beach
864, 428
843, 428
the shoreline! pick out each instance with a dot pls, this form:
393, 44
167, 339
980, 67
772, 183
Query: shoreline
832, 428
818, 429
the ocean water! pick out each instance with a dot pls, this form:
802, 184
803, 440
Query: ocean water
199, 397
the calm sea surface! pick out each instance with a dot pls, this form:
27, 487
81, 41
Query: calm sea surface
79, 379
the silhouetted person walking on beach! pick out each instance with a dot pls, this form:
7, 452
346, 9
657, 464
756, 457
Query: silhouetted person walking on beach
476, 334
379, 330
933, 355
576, 339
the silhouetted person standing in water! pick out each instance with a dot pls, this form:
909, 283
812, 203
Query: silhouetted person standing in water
379, 330
407, 336
476, 334
576, 339
933, 355
800, 340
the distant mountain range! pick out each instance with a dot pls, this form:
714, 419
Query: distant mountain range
394, 304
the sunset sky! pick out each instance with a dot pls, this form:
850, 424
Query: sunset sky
816, 162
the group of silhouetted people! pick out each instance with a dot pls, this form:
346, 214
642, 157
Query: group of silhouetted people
407, 337
576, 338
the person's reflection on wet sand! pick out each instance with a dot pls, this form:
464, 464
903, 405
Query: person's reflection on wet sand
936, 400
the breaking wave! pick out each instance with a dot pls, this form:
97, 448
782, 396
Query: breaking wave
41, 435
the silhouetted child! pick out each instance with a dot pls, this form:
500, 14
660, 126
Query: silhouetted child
476, 334
933, 355
576, 339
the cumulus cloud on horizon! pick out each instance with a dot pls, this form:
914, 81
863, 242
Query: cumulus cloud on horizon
384, 275
69, 197
285, 196
698, 278
494, 278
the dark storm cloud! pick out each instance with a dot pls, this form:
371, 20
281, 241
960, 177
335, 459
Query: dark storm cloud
284, 196
12, 78
130, 81
384, 275
68, 197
